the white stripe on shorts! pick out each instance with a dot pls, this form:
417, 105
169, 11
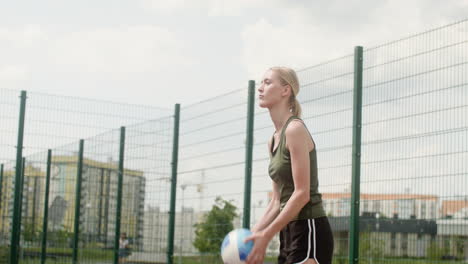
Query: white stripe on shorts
315, 242
308, 243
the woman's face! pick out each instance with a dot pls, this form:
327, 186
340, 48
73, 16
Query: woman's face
271, 90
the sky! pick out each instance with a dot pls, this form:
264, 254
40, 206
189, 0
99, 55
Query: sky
160, 52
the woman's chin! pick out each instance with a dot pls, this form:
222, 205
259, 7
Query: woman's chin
262, 105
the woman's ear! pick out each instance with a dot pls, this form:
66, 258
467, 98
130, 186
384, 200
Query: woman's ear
287, 90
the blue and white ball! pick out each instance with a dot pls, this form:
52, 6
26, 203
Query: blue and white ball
233, 249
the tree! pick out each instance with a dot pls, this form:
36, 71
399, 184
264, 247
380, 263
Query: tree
370, 248
435, 251
60, 237
30, 233
209, 233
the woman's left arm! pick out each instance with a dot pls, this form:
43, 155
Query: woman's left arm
296, 136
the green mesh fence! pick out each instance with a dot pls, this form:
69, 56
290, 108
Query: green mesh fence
146, 198
413, 198
9, 113
99, 188
414, 148
56, 123
62, 206
211, 165
327, 99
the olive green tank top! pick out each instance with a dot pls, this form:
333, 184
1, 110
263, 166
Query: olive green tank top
281, 173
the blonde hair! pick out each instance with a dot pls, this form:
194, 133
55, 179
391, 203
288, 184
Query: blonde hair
288, 77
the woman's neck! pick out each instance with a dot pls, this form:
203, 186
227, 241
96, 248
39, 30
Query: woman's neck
279, 116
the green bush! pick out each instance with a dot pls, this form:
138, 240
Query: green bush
435, 252
209, 233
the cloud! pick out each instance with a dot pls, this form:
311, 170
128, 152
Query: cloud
90, 61
235, 8
25, 36
128, 49
11, 73
214, 8
16, 47
117, 50
170, 6
266, 45
307, 33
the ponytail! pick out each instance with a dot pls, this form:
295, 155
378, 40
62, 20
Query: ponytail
296, 108
288, 77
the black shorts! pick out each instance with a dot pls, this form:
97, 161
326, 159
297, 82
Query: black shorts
301, 240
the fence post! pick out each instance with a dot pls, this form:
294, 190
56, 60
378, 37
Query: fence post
1, 185
248, 155
2, 229
356, 158
76, 229
14, 242
175, 154
119, 194
46, 208
20, 218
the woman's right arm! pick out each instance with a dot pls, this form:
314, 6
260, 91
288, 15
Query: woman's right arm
271, 211
273, 206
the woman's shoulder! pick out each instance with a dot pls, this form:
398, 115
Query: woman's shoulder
296, 127
297, 133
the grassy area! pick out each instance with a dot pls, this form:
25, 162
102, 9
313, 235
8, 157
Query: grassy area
88, 253
99, 256
4, 255
63, 255
395, 260
207, 259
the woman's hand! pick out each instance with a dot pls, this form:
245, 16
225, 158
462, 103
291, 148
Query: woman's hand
261, 240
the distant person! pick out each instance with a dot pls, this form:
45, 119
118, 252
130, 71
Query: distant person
295, 209
124, 248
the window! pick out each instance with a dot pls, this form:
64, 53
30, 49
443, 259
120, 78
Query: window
393, 241
405, 208
433, 211
423, 210
404, 243
345, 207
376, 206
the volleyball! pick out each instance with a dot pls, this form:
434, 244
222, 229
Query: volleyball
233, 248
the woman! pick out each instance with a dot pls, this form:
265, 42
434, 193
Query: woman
295, 209
124, 248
